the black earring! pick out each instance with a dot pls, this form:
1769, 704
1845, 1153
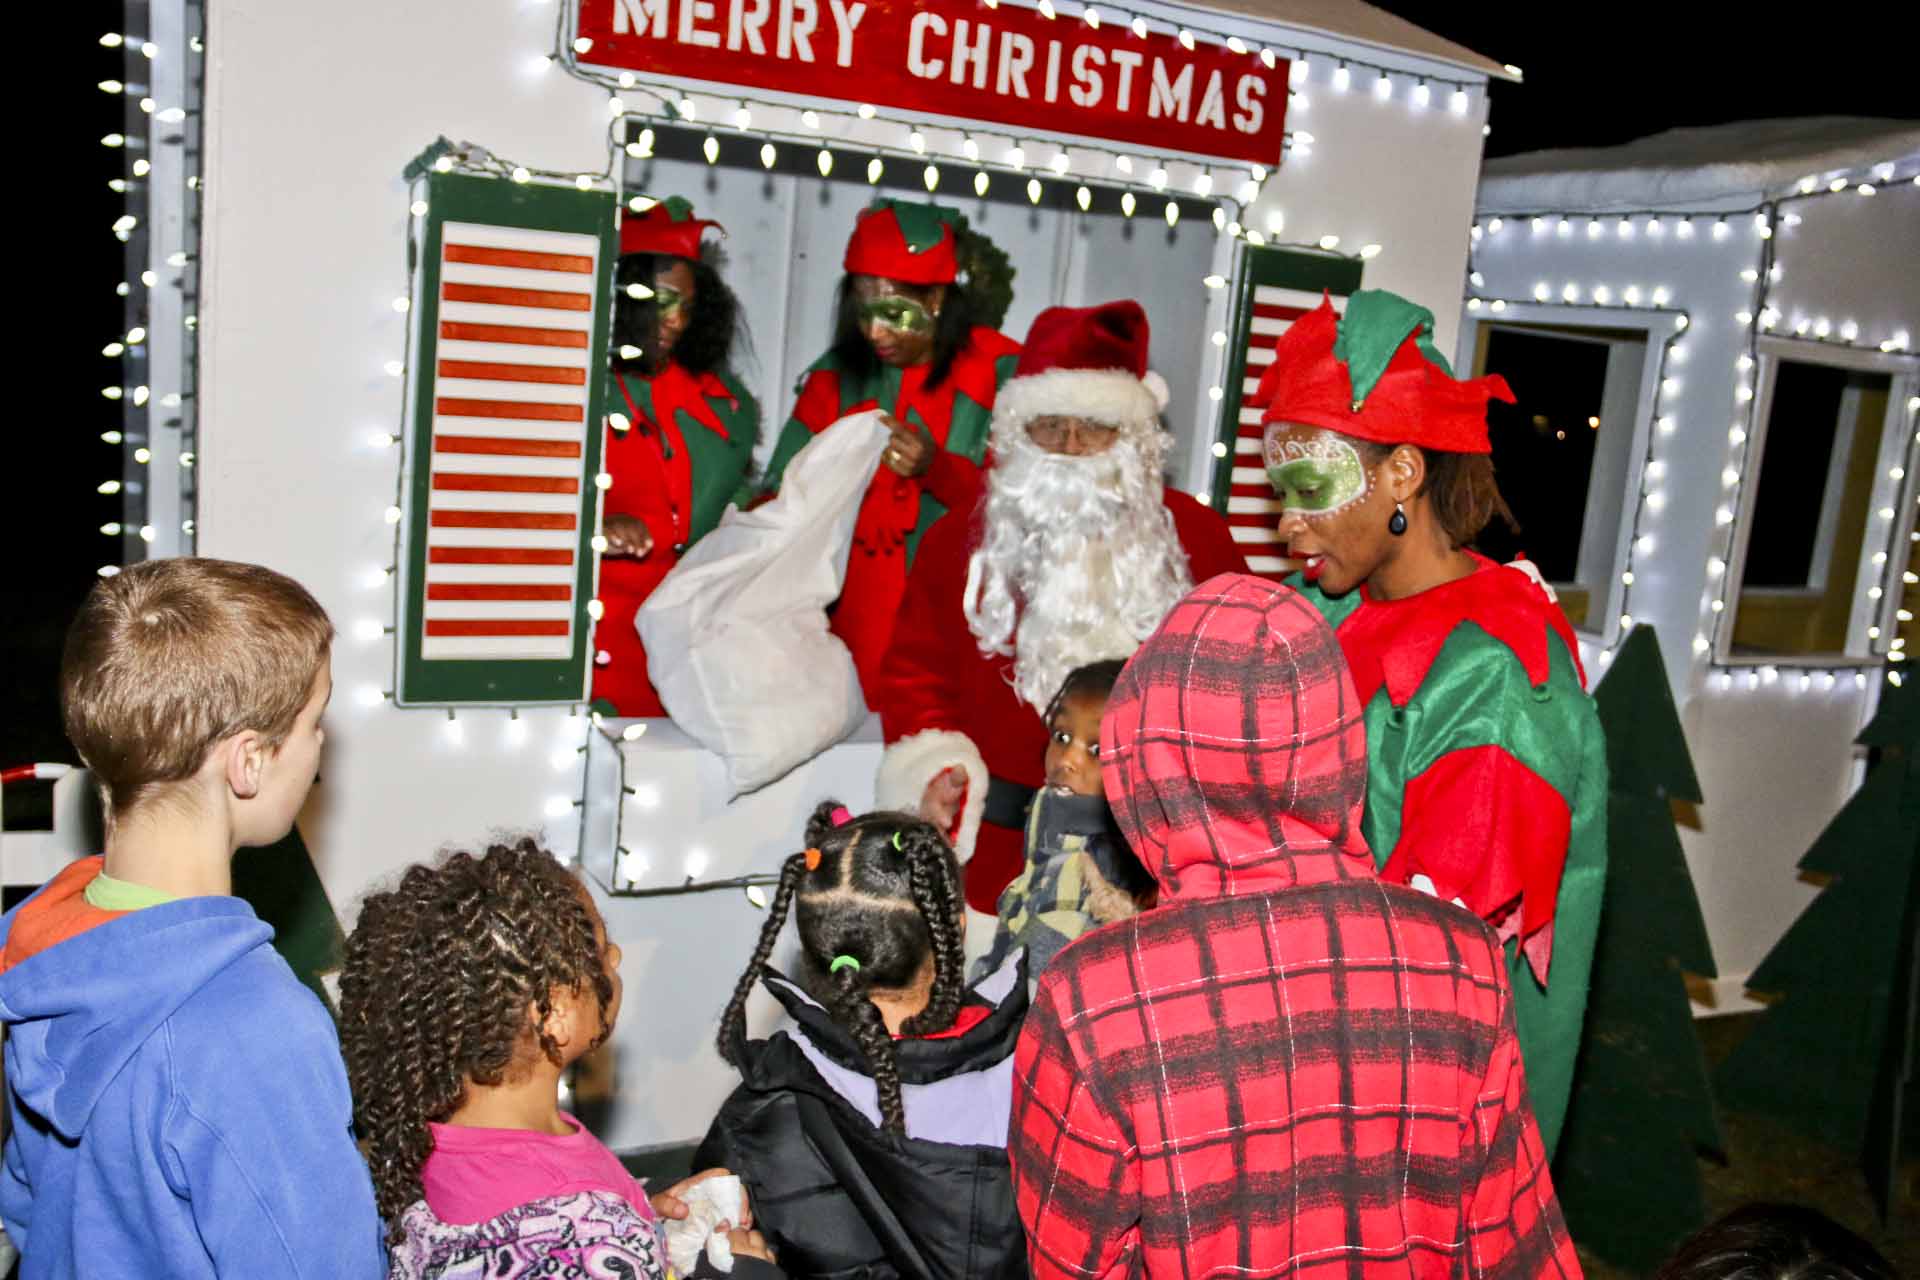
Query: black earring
1397, 522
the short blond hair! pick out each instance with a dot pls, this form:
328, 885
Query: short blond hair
168, 657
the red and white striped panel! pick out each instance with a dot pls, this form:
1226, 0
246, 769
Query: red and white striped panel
1252, 511
509, 485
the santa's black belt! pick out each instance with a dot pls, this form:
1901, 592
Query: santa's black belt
1008, 802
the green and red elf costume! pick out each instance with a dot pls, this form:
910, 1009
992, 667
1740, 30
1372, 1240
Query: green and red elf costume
679, 447
912, 244
1486, 766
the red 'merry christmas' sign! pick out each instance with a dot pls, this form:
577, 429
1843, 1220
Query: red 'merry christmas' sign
961, 58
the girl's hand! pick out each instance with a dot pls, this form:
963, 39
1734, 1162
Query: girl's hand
750, 1243
668, 1203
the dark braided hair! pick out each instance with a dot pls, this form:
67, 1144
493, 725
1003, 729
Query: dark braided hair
449, 979
886, 892
716, 324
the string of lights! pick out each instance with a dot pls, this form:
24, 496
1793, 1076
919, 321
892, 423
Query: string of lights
154, 348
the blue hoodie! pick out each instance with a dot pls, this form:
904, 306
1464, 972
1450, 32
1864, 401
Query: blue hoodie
177, 1103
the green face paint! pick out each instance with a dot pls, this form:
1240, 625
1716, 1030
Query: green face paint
902, 315
667, 300
1315, 477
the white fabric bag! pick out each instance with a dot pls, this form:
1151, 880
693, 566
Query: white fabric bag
736, 635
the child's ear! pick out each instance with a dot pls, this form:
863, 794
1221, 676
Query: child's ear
245, 759
563, 1024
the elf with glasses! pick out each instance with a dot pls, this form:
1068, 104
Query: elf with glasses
680, 430
1486, 766
905, 343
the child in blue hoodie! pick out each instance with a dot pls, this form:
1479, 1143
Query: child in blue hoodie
176, 1099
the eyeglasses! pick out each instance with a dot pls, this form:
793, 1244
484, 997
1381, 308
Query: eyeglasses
1052, 434
902, 315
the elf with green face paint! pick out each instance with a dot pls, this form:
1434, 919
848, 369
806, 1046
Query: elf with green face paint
1487, 776
680, 431
905, 343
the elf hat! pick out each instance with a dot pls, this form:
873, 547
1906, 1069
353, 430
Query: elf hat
1374, 374
668, 227
899, 240
1085, 362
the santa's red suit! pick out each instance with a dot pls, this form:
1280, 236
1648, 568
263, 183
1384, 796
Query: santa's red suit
943, 702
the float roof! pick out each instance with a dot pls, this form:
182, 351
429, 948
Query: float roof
1687, 168
1362, 23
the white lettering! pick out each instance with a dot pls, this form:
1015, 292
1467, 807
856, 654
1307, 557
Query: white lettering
1174, 99
1213, 103
917, 61
1016, 59
1086, 93
975, 53
638, 15
1252, 110
692, 11
746, 18
798, 21
1053, 71
1126, 60
845, 20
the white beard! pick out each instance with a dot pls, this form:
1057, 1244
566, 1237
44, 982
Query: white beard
1080, 561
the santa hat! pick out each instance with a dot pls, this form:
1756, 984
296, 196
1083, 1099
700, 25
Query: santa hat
1374, 374
668, 228
1085, 362
911, 243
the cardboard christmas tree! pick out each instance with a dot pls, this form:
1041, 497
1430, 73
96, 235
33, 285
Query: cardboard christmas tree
1627, 1169
1835, 1052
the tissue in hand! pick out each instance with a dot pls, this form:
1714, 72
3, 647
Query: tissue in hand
710, 1203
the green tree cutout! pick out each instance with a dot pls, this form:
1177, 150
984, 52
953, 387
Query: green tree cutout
1627, 1169
1835, 1053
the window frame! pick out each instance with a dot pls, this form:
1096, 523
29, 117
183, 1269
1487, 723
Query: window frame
1612, 487
1899, 449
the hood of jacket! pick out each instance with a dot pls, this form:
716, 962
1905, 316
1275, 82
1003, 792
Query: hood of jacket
1233, 748
78, 1011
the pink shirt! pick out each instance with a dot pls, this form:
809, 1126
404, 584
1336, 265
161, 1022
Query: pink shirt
472, 1175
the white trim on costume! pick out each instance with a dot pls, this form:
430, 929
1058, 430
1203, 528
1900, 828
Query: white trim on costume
907, 766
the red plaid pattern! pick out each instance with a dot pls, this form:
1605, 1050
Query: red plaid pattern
1290, 1068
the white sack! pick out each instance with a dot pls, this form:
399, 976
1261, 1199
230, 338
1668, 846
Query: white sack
736, 635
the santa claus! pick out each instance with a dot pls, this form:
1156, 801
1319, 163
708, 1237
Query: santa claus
1074, 555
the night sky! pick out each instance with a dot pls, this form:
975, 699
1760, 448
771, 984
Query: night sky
1595, 75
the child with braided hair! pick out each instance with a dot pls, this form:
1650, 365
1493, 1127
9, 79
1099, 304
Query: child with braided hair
467, 990
872, 1132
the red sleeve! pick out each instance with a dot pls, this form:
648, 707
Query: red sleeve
1489, 831
1075, 1181
1514, 1225
920, 685
955, 480
1206, 537
818, 406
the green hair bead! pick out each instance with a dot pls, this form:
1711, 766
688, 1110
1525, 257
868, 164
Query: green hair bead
843, 962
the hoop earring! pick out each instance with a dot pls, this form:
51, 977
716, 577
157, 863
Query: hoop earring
1397, 522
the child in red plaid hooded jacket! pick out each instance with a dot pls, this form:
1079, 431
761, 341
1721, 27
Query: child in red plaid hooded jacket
1289, 1067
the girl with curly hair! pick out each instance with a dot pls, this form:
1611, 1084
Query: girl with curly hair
681, 429
467, 990
872, 1133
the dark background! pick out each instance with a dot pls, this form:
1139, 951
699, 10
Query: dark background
1595, 75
